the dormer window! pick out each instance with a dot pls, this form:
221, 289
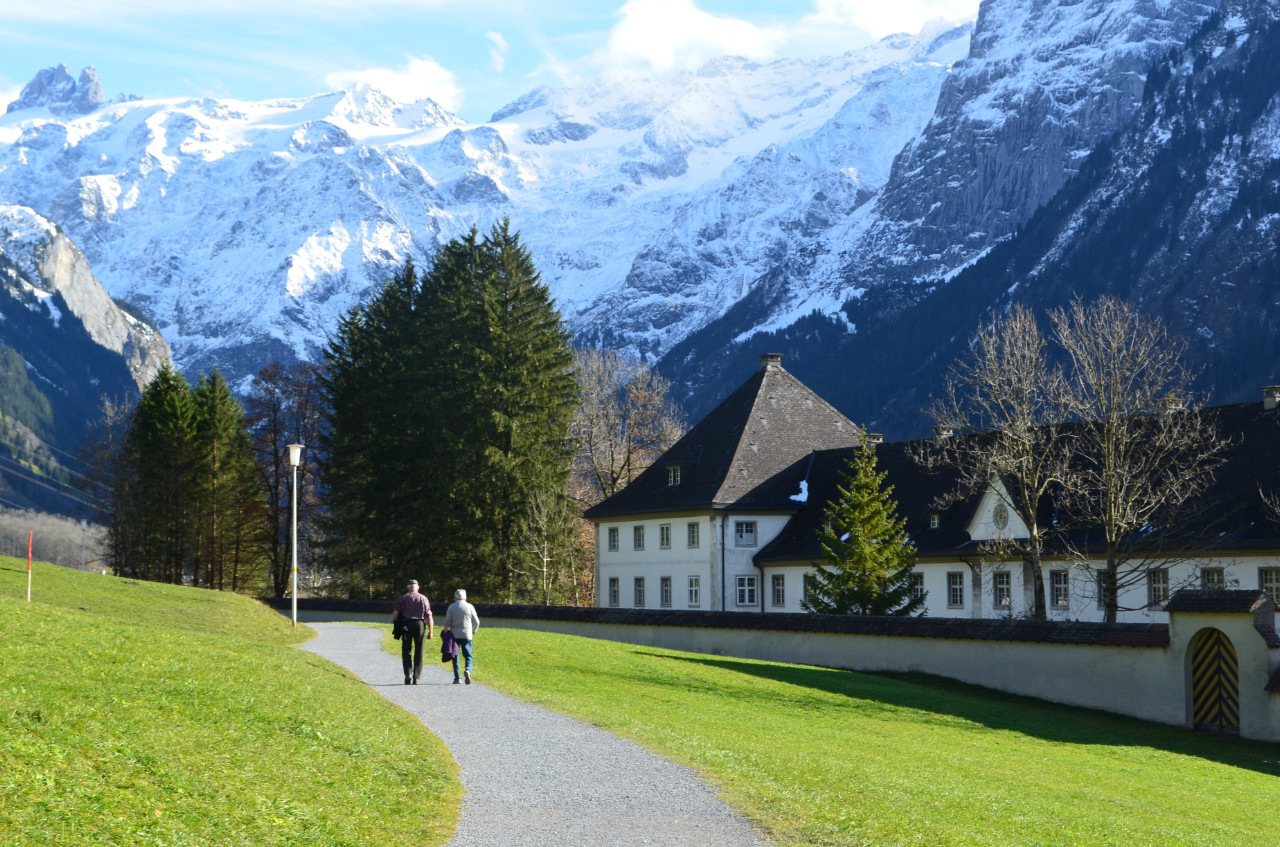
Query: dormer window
935, 520
673, 475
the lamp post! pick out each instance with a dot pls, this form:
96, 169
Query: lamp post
295, 455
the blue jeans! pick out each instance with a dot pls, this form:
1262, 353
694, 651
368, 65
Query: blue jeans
464, 649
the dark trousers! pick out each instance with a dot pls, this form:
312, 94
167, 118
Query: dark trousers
414, 632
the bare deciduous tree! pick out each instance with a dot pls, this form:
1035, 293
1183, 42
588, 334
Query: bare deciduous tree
1144, 453
547, 540
1009, 405
285, 407
625, 419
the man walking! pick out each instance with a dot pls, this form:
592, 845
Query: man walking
462, 622
414, 614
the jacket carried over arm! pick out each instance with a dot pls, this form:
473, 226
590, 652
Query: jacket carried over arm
462, 620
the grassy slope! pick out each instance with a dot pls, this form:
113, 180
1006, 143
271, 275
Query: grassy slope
139, 713
832, 757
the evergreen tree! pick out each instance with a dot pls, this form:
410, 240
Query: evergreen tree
866, 545
160, 448
229, 504
526, 376
450, 395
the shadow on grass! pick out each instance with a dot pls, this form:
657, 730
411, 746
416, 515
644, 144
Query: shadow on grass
1010, 712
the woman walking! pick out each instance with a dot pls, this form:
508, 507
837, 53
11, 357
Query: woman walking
462, 622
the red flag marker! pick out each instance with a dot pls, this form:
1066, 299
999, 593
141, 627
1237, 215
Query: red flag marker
30, 535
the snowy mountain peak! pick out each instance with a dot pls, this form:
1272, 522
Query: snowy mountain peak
56, 90
366, 106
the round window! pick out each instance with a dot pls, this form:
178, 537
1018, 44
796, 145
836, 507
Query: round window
1000, 516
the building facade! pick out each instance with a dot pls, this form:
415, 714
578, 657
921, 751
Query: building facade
727, 520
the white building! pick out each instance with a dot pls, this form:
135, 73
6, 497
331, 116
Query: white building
727, 519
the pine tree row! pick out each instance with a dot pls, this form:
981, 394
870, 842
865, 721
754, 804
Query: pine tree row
447, 454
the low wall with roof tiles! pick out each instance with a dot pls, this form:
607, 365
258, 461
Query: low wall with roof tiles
1141, 670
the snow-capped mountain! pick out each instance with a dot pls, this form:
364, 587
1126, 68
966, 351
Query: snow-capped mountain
64, 347
1175, 207
860, 213
245, 229
46, 273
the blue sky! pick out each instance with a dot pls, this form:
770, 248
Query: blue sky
471, 56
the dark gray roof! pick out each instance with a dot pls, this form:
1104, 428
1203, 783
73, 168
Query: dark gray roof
733, 457
915, 488
1244, 601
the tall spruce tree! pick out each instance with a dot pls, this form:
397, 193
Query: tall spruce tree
160, 450
229, 509
869, 554
450, 397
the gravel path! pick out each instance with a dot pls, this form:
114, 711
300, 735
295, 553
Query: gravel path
537, 778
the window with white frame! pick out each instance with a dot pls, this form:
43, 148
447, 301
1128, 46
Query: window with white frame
744, 533
779, 589
613, 591
1000, 516
664, 536
639, 595
746, 591
637, 538
664, 592
613, 539
806, 588
955, 590
935, 520
693, 534
917, 585
1269, 581
695, 589
1002, 590
1059, 590
1157, 587
1213, 579
673, 474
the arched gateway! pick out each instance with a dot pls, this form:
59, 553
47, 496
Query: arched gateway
1215, 683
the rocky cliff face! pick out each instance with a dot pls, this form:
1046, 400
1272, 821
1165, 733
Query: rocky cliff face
45, 263
1043, 84
59, 92
1178, 209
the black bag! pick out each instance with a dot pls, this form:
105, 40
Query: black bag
397, 629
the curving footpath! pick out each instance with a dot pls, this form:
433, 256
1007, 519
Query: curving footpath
536, 778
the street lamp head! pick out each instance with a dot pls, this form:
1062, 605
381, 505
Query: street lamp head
295, 454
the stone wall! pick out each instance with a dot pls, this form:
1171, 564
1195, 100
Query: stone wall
1140, 670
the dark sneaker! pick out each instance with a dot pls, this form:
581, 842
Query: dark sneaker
467, 676
457, 681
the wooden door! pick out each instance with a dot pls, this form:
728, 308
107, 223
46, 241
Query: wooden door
1215, 683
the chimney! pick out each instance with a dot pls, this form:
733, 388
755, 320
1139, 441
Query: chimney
771, 361
941, 433
1270, 397
873, 438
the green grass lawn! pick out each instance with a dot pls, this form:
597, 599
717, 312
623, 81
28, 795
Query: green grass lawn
839, 758
143, 714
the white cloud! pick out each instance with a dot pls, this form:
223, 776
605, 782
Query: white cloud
659, 36
419, 77
8, 93
498, 51
663, 36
